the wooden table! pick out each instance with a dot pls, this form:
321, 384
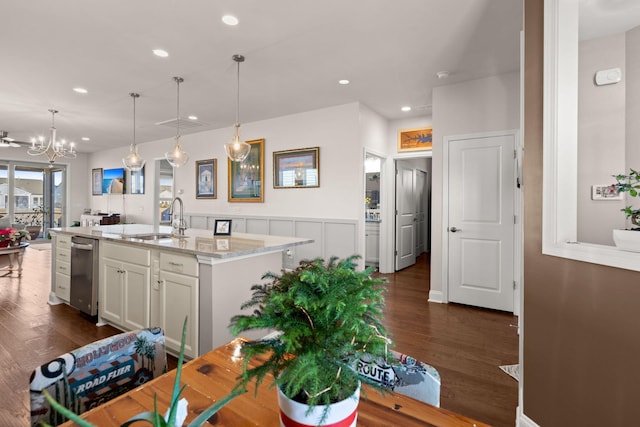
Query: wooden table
15, 254
210, 377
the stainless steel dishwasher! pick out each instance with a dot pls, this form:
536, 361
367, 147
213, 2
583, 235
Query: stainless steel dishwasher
84, 275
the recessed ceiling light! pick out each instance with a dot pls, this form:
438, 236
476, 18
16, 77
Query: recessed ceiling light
192, 117
80, 90
161, 53
343, 82
406, 108
230, 20
443, 74
86, 138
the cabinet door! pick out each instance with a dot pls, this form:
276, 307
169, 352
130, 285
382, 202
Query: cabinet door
111, 291
62, 286
179, 299
135, 289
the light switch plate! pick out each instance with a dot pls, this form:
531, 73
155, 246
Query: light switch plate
604, 192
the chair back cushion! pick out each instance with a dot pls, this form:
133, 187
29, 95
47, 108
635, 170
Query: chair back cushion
98, 372
404, 375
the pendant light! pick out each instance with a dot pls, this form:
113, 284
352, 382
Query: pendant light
133, 161
237, 150
177, 157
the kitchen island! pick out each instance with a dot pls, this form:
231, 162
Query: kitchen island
149, 277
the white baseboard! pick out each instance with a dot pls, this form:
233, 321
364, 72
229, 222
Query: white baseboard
524, 421
436, 296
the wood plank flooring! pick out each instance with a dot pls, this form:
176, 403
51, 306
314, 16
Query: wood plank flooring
466, 345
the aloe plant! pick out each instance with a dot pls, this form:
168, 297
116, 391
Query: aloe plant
177, 408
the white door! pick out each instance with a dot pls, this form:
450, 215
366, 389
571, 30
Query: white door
405, 217
481, 221
421, 206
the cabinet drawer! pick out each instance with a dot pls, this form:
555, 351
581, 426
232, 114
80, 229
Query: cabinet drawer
63, 241
63, 254
126, 253
63, 268
63, 286
179, 264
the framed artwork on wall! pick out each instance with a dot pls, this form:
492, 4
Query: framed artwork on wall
246, 178
296, 168
415, 139
96, 182
113, 181
206, 179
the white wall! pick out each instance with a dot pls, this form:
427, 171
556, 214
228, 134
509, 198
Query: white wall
601, 137
334, 130
483, 105
632, 77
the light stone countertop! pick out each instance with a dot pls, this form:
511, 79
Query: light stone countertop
195, 241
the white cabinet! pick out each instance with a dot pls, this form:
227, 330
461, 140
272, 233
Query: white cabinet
125, 286
177, 288
372, 243
63, 267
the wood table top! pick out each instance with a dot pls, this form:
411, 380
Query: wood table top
212, 376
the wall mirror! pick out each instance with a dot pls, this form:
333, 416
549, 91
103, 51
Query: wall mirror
588, 135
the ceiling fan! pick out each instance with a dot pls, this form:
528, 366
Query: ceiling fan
7, 142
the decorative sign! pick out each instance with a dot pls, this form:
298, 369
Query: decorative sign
415, 139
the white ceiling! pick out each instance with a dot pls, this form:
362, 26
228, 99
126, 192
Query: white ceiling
296, 51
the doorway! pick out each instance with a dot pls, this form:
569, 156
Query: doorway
412, 210
372, 211
33, 195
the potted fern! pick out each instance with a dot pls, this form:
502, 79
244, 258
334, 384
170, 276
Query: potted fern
629, 239
326, 317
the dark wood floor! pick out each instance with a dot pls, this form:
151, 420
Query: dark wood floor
466, 345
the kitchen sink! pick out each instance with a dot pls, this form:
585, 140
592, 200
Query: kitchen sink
155, 236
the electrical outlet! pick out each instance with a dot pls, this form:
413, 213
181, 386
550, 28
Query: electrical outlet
604, 192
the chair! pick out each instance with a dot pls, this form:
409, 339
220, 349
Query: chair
98, 372
404, 375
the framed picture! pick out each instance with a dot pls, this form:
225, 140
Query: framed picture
222, 227
206, 179
296, 168
113, 181
136, 178
415, 139
246, 177
96, 181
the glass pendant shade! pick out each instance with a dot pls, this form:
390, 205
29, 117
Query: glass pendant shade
177, 157
133, 161
237, 150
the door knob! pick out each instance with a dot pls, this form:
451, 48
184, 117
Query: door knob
453, 229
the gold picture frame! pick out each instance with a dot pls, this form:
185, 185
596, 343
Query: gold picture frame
246, 178
418, 139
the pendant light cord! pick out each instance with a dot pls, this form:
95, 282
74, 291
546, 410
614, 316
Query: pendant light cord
178, 79
238, 95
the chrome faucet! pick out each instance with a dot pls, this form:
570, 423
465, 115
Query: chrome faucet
181, 224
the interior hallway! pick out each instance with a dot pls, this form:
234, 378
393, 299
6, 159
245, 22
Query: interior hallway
466, 345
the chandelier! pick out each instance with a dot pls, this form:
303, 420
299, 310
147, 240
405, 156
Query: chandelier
177, 157
133, 161
53, 148
237, 150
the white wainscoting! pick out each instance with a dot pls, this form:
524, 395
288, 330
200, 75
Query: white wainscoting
332, 237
